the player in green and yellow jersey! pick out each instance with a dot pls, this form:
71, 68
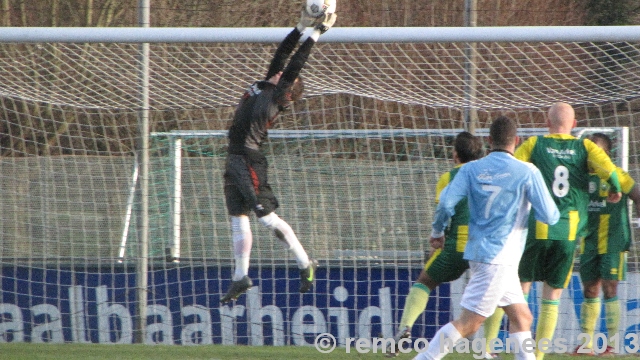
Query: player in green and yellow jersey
565, 162
604, 251
445, 264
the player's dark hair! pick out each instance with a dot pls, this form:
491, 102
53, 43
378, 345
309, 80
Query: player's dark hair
297, 89
604, 139
503, 132
468, 147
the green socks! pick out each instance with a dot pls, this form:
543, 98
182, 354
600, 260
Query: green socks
492, 325
547, 321
612, 313
589, 315
415, 305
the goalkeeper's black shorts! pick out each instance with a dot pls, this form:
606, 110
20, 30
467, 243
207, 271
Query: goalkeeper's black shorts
245, 184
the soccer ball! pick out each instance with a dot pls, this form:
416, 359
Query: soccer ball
318, 8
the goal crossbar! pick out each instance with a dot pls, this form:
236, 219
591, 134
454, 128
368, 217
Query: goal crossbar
336, 35
348, 133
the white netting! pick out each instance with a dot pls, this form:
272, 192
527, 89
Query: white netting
507, 75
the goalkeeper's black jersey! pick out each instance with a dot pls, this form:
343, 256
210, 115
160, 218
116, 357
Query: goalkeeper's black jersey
254, 115
263, 101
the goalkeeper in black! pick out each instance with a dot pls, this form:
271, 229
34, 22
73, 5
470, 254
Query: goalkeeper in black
246, 187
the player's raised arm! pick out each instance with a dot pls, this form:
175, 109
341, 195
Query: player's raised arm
282, 53
289, 43
602, 165
634, 195
300, 57
631, 189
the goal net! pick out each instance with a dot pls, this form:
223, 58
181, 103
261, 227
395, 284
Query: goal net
354, 165
320, 174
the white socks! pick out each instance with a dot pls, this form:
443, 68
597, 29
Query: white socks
441, 344
446, 338
242, 243
285, 233
518, 338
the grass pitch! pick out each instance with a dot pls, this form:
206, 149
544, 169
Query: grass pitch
28, 351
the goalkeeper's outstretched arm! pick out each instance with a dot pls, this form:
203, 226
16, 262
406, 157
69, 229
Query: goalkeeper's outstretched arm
282, 53
300, 57
289, 43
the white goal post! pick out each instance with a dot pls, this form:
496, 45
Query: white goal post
354, 164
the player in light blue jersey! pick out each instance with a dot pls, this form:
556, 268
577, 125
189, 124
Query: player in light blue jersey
500, 191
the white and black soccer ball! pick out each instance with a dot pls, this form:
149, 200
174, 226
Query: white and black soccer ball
318, 8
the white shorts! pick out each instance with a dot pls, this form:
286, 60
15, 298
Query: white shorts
491, 286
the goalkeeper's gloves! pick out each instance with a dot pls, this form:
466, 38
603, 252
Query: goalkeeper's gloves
306, 20
260, 211
327, 23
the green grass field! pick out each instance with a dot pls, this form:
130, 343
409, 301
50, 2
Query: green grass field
28, 351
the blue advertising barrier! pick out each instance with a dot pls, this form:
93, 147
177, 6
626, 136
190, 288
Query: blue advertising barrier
98, 306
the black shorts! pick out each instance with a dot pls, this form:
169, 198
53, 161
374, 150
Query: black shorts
246, 185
